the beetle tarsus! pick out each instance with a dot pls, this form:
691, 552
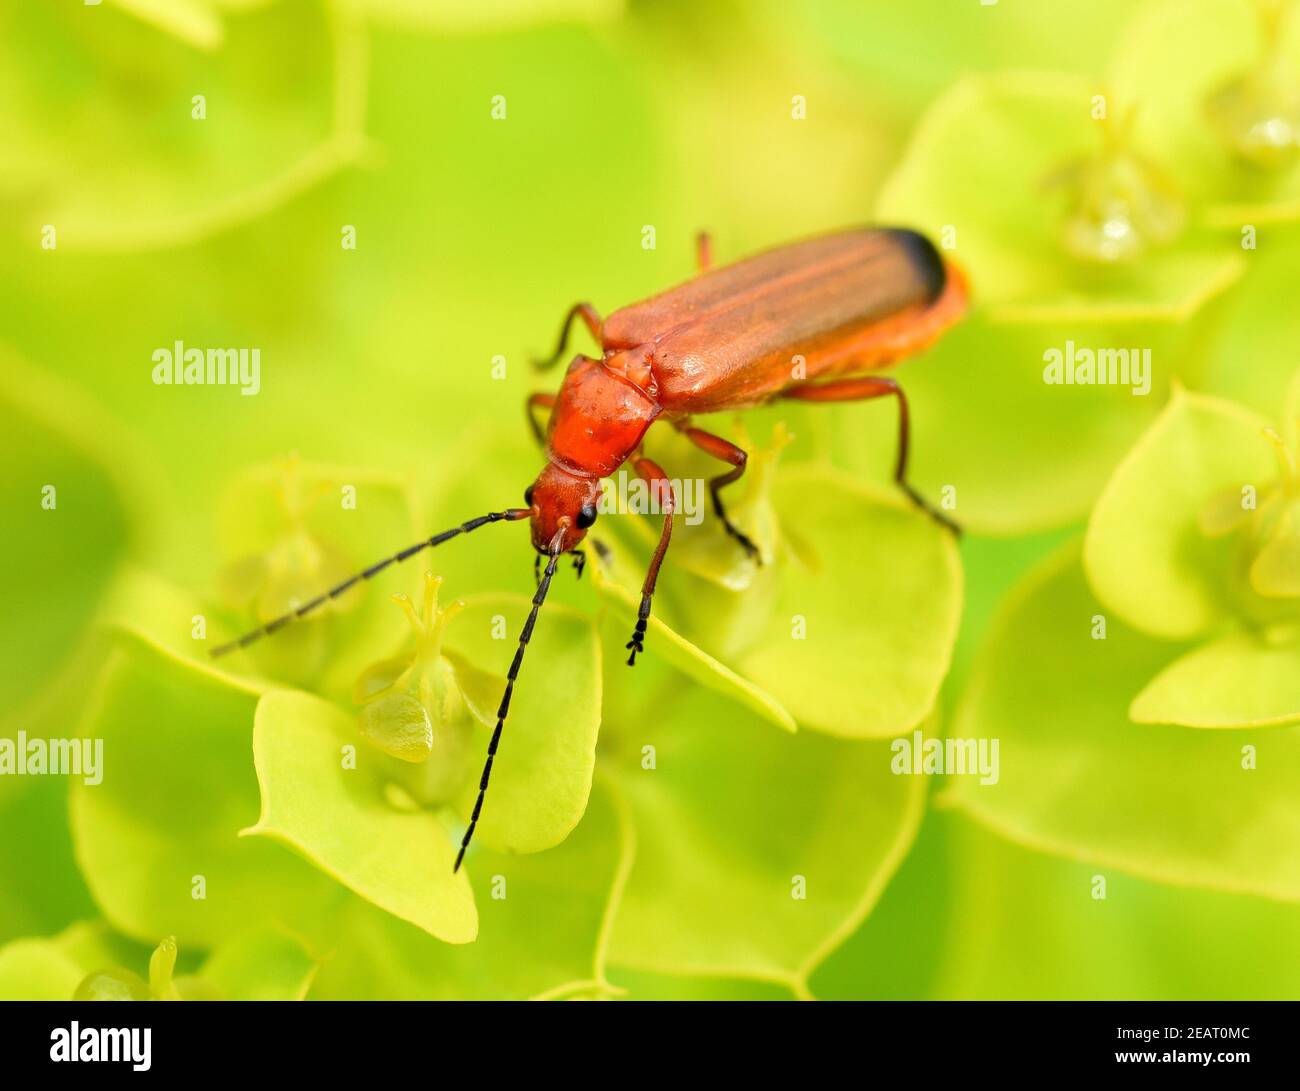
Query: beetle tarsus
930, 510
746, 543
579, 563
637, 643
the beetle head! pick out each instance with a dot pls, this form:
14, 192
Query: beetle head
563, 506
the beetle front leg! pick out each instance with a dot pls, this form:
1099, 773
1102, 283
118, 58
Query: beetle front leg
662, 489
590, 317
862, 389
724, 451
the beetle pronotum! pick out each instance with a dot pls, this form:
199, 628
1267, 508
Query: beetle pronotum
847, 304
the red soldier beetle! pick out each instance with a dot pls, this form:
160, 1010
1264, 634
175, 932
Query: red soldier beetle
845, 304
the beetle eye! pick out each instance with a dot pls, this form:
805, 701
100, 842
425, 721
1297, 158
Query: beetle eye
528, 496
586, 516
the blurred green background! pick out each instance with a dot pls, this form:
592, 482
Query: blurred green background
394, 202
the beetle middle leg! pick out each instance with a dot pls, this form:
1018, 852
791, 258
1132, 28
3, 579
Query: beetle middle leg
590, 317
663, 492
724, 451
861, 389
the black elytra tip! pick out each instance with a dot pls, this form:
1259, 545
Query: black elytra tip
924, 259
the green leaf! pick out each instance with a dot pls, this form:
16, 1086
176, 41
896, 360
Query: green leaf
870, 591
734, 822
1251, 357
1275, 572
37, 806
1238, 680
980, 163
291, 531
93, 945
261, 964
178, 785
908, 61
1146, 554
161, 614
541, 777
143, 173
66, 524
1033, 926
196, 22
639, 985
88, 954
453, 17
543, 923
1174, 804
37, 969
323, 796
1175, 119
1291, 415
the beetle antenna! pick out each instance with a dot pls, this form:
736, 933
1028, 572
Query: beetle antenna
543, 586
509, 515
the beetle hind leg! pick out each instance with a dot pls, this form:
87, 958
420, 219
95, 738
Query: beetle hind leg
929, 508
862, 389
